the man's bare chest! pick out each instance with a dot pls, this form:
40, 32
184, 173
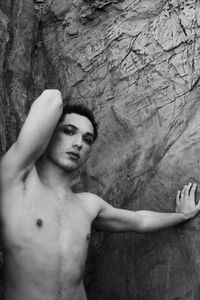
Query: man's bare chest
39, 219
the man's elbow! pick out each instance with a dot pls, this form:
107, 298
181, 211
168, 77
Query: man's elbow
142, 225
145, 226
51, 99
53, 95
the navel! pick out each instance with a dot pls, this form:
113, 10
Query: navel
39, 223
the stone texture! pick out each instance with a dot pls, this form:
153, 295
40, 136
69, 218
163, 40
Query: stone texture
4, 36
136, 64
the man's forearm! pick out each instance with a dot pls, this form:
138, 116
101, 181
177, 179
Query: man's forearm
154, 221
37, 130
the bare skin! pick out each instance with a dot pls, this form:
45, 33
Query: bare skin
45, 246
46, 227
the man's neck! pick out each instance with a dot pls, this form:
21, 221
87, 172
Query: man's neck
56, 178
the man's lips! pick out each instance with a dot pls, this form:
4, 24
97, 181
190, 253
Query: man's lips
73, 155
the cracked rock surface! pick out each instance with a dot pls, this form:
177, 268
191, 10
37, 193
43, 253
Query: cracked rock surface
136, 64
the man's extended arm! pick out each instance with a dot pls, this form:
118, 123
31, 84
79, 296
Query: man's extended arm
35, 134
121, 220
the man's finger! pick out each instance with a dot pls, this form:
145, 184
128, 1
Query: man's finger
198, 204
178, 197
187, 189
193, 189
183, 192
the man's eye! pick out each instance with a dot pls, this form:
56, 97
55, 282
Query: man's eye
88, 141
68, 131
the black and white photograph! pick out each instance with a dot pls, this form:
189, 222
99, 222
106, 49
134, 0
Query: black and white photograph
99, 149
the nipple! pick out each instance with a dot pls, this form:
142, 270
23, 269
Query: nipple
39, 222
88, 237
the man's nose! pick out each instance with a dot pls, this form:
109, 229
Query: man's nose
78, 141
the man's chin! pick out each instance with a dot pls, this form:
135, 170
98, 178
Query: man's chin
71, 167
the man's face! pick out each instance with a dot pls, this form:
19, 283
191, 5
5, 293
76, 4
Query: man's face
71, 142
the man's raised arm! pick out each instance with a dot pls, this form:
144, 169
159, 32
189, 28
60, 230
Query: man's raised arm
121, 220
35, 133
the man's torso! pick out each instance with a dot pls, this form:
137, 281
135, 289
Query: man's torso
45, 239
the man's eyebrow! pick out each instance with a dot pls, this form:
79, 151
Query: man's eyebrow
68, 125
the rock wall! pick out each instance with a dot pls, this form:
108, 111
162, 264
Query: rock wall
137, 65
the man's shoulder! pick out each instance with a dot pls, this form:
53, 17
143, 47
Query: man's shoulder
87, 196
91, 200
8, 174
8, 165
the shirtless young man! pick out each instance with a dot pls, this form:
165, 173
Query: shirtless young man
45, 226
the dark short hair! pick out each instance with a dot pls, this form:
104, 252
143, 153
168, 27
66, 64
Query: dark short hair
80, 110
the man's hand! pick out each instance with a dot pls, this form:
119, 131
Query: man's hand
185, 201
143, 221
